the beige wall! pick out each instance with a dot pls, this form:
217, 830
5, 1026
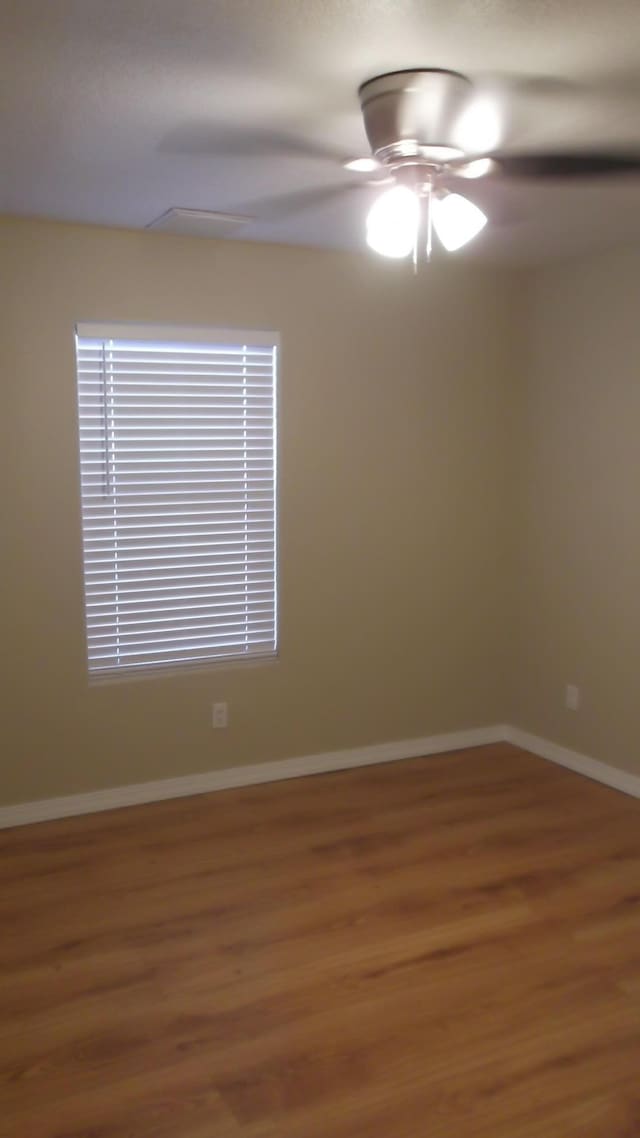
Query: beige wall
395, 512
579, 524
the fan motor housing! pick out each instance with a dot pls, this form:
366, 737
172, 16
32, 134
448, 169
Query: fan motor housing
414, 114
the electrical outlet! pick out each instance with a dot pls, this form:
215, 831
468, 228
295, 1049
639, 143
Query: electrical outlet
572, 697
219, 715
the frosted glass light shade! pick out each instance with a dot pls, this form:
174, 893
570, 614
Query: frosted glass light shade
456, 220
392, 223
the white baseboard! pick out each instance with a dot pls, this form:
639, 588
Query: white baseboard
93, 801
582, 764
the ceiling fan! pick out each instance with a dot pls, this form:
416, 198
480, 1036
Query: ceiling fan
430, 130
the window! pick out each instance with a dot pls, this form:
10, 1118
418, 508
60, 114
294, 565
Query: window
178, 479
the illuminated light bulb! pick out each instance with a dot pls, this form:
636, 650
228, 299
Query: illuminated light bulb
456, 220
393, 221
362, 165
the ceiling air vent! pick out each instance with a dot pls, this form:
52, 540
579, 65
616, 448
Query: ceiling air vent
198, 223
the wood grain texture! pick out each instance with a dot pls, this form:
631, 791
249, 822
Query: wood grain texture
446, 946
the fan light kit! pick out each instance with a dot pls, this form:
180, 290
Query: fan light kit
394, 221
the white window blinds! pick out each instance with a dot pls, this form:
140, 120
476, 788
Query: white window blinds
178, 469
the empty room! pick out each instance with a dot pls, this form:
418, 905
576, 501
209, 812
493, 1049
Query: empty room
320, 773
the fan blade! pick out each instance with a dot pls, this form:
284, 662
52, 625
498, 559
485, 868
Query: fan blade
603, 84
548, 115
207, 139
284, 206
578, 165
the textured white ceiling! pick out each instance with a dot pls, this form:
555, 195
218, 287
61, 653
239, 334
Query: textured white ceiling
113, 111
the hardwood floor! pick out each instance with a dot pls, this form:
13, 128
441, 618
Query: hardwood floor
440, 948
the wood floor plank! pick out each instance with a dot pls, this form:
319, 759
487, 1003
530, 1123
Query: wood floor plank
446, 946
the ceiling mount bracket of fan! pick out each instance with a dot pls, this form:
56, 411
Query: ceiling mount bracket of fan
415, 114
